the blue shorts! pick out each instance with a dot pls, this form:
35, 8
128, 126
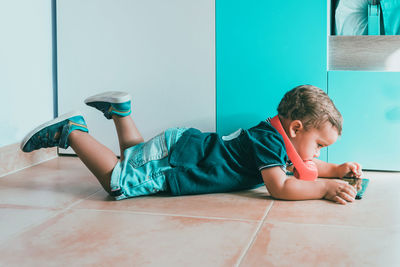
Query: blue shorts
142, 170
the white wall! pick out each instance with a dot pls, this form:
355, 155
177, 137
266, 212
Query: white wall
162, 52
26, 94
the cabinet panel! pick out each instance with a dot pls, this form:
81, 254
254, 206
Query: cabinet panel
370, 105
162, 52
265, 48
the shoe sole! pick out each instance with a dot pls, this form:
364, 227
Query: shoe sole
54, 121
113, 97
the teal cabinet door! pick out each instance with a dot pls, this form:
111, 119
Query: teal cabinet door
370, 105
263, 49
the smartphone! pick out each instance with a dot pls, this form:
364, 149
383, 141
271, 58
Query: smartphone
360, 184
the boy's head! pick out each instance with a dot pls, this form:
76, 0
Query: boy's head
311, 106
310, 119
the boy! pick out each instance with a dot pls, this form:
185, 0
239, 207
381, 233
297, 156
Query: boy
186, 161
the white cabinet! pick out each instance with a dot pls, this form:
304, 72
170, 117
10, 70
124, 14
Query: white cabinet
162, 52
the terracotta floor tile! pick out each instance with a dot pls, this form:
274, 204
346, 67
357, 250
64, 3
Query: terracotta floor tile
88, 238
56, 213
380, 206
248, 205
286, 244
56, 183
16, 219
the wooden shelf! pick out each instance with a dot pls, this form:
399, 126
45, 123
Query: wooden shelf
364, 53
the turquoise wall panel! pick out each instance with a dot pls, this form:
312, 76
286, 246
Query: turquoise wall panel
263, 49
370, 105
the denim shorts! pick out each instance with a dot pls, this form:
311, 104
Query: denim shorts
142, 170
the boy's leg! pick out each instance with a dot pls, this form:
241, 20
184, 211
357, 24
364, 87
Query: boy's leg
128, 134
98, 158
70, 130
117, 106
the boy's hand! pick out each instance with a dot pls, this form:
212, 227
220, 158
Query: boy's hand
349, 169
339, 191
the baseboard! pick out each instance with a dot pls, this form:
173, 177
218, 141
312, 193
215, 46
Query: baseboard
12, 159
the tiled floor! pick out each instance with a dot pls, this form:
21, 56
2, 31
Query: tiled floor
56, 214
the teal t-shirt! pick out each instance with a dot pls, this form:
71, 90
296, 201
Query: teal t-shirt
208, 163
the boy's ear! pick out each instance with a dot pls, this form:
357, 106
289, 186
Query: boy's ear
294, 127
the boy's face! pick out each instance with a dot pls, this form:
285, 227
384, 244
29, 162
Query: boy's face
308, 143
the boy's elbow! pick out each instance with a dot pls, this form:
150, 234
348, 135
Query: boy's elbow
283, 192
277, 193
275, 196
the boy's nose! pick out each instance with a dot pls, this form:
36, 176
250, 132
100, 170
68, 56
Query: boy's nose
316, 155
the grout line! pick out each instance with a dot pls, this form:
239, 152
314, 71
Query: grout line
33, 225
167, 214
338, 225
79, 201
26, 167
58, 211
254, 236
25, 229
30, 226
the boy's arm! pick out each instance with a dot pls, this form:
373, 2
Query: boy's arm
281, 187
326, 169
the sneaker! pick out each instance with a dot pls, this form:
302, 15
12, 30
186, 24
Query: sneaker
54, 133
118, 103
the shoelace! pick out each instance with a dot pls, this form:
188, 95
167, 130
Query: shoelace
44, 141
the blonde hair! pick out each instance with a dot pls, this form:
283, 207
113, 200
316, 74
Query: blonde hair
312, 106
